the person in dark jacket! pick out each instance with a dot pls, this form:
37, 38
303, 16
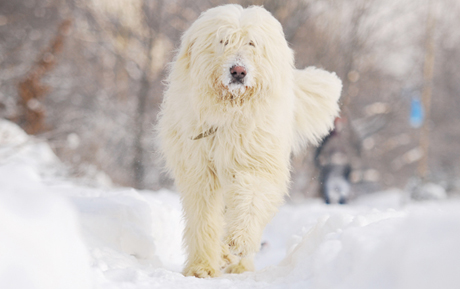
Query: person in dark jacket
333, 157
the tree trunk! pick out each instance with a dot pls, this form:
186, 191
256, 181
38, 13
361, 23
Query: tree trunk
428, 70
145, 85
31, 91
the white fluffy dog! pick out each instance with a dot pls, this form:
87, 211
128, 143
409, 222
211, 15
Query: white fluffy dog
234, 110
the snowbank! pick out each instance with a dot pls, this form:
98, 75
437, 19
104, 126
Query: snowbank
56, 234
40, 243
69, 232
413, 248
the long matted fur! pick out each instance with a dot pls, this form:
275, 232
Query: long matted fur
228, 143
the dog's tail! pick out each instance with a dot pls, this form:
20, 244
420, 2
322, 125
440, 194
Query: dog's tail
316, 105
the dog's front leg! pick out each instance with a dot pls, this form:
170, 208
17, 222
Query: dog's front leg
202, 203
251, 204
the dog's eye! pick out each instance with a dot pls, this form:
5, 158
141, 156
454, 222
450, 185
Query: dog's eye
226, 42
252, 44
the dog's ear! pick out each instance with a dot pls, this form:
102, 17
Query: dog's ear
316, 104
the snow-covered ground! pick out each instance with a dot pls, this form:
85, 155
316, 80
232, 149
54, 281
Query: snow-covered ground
55, 233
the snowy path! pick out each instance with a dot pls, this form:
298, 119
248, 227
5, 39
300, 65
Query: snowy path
57, 234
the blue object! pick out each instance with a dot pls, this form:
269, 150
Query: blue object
416, 112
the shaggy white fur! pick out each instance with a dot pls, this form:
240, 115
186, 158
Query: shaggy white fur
228, 143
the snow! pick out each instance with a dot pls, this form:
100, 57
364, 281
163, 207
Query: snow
55, 233
40, 245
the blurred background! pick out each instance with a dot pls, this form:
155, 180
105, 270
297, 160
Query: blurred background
86, 77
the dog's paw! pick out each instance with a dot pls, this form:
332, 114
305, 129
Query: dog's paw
201, 271
229, 259
243, 266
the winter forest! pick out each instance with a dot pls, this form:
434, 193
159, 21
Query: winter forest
86, 76
84, 80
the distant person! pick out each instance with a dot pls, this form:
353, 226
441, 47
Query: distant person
333, 158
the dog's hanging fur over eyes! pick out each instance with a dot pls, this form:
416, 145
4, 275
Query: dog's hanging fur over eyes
234, 111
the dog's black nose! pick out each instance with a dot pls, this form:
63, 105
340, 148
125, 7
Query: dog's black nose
238, 72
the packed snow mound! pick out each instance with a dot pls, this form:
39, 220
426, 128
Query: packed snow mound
40, 242
95, 232
57, 234
414, 248
11, 134
17, 148
40, 246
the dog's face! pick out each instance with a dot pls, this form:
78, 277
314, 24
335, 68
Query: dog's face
237, 69
235, 52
